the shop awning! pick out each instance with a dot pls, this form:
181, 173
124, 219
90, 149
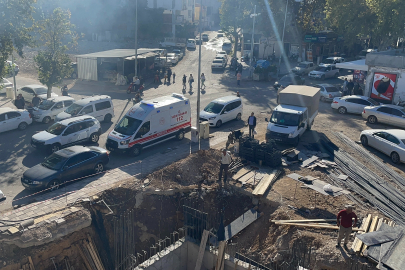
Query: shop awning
354, 65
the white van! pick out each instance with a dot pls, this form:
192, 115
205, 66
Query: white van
191, 43
50, 108
100, 107
150, 122
222, 110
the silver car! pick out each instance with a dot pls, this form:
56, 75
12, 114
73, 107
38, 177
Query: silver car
303, 68
323, 72
329, 92
352, 104
387, 114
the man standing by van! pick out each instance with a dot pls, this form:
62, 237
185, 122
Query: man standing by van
225, 161
252, 125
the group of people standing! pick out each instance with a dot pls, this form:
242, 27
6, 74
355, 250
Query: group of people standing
351, 88
191, 80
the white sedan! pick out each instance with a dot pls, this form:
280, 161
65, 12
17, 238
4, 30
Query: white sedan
387, 114
29, 91
172, 58
4, 84
13, 118
390, 142
352, 104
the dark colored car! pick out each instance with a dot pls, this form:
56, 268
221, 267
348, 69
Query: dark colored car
64, 165
289, 79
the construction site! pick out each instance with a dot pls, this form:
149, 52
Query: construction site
278, 211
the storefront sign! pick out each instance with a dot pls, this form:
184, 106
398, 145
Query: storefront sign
315, 39
383, 86
359, 76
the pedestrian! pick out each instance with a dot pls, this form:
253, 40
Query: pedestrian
202, 80
238, 78
357, 90
190, 81
174, 77
226, 159
240, 68
344, 88
169, 75
19, 102
184, 81
35, 101
65, 91
345, 224
350, 86
165, 78
252, 125
237, 94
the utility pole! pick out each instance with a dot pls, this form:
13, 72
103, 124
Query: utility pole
253, 36
136, 39
13, 68
282, 40
199, 77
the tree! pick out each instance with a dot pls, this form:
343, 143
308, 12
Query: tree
57, 37
15, 17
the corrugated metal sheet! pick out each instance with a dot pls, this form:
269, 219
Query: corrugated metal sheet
87, 68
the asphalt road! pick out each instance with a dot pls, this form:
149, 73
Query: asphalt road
17, 155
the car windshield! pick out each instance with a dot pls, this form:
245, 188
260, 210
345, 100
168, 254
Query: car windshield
331, 89
128, 125
213, 108
372, 101
56, 129
41, 91
216, 61
54, 162
176, 51
286, 119
302, 65
46, 105
74, 109
171, 55
320, 68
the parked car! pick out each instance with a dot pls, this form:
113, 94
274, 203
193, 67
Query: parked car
100, 107
387, 114
218, 64
222, 57
197, 40
289, 79
191, 44
303, 68
9, 64
179, 54
205, 37
363, 53
222, 110
67, 132
224, 53
390, 142
64, 165
14, 119
323, 72
220, 34
227, 46
333, 61
172, 58
49, 108
28, 92
4, 84
329, 92
352, 104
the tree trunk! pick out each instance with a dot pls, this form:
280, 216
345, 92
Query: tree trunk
235, 35
48, 95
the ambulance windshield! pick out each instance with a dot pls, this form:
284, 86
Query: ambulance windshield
128, 125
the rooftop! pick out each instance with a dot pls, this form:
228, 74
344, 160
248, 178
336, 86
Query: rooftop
119, 53
391, 58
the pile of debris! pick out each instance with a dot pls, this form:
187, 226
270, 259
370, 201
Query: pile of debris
310, 159
265, 152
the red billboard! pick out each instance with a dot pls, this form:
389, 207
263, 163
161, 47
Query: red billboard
383, 86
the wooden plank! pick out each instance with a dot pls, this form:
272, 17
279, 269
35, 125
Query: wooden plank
31, 263
380, 221
202, 250
309, 161
265, 183
241, 223
86, 263
93, 255
304, 220
221, 256
246, 177
241, 173
357, 243
332, 227
372, 228
96, 251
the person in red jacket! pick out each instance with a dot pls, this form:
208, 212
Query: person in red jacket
345, 224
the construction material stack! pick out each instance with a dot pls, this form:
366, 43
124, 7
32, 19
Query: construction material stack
266, 152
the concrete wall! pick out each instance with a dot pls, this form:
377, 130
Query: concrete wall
393, 59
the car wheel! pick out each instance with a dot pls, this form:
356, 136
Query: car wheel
107, 118
98, 168
218, 124
395, 158
53, 184
46, 120
323, 99
22, 126
364, 140
180, 135
239, 117
372, 119
136, 151
323, 77
342, 110
94, 137
54, 147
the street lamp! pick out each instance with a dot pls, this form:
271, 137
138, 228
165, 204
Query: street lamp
136, 39
254, 15
199, 77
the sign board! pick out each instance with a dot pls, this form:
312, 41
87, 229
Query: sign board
359, 76
383, 86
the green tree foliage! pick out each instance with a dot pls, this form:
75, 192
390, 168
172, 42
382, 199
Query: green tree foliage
56, 36
15, 16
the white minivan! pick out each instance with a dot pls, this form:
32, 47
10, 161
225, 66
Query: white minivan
222, 110
50, 108
150, 122
100, 107
191, 43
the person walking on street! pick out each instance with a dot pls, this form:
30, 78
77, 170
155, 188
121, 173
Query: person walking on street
202, 80
252, 125
165, 78
345, 224
169, 75
174, 77
350, 86
226, 159
345, 87
36, 101
190, 81
238, 78
184, 81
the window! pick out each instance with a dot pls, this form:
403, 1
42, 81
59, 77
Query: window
67, 103
128, 125
11, 115
102, 105
2, 117
228, 108
237, 104
397, 112
88, 109
58, 105
73, 161
213, 107
56, 129
69, 130
351, 100
363, 102
381, 134
145, 128
86, 155
384, 110
392, 139
79, 126
90, 123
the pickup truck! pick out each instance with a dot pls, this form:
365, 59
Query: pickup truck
296, 112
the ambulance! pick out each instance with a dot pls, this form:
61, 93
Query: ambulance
150, 122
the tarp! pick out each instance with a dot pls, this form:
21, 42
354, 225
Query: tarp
354, 65
262, 63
